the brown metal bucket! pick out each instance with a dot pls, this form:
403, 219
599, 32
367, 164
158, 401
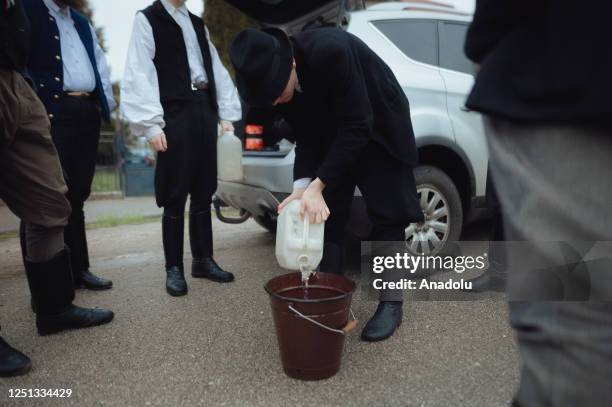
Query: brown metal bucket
311, 330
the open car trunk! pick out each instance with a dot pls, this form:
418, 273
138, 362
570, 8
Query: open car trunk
265, 133
287, 14
297, 15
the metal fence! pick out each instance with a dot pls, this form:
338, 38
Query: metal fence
125, 165
107, 179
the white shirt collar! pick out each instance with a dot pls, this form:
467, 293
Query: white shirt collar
171, 9
53, 6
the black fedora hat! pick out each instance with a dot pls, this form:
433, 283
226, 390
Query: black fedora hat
263, 60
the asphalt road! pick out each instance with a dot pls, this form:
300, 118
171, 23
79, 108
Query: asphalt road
217, 346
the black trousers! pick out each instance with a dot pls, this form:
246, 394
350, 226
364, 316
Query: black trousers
76, 138
188, 168
389, 191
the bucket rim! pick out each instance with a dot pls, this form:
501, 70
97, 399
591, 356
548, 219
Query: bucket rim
310, 300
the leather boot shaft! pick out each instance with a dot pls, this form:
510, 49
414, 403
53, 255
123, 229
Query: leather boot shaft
51, 283
200, 234
173, 232
76, 239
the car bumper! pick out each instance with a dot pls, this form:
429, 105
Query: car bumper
255, 200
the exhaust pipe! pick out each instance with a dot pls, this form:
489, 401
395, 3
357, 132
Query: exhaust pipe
243, 215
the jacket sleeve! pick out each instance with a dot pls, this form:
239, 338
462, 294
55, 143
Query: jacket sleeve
342, 74
493, 20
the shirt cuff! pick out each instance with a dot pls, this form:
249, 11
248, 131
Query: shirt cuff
152, 132
301, 183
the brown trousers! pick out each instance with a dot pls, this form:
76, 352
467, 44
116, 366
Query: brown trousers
31, 180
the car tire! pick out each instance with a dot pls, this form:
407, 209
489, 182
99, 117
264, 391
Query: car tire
443, 209
266, 222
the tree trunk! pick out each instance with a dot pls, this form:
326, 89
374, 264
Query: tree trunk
224, 22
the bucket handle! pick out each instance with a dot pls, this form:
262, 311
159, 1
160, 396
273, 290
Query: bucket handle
344, 331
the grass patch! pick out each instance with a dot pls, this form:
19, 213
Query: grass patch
103, 222
110, 221
8, 235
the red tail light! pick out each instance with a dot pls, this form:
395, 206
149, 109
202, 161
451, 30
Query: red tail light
254, 130
252, 143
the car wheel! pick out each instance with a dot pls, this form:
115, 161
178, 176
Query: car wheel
442, 207
266, 222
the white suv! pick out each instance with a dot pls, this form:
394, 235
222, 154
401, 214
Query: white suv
422, 42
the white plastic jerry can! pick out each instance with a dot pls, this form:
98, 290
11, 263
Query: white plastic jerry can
299, 244
229, 157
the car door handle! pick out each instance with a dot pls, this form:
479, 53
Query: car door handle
465, 109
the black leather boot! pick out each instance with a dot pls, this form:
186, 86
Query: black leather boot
75, 237
52, 288
208, 268
495, 277
490, 280
200, 238
176, 285
12, 362
384, 322
24, 253
90, 281
173, 230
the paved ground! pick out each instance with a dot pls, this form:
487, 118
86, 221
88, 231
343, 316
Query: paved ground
96, 210
217, 347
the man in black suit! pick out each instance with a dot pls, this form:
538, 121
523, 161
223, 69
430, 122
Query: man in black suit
352, 125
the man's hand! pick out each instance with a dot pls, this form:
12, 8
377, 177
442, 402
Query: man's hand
227, 126
159, 143
313, 203
296, 194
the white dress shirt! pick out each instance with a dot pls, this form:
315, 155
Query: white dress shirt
78, 73
140, 87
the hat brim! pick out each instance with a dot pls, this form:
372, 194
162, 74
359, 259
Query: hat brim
265, 91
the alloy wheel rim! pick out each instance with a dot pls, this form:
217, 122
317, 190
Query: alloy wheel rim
429, 236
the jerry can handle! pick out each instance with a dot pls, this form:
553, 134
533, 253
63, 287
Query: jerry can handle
306, 232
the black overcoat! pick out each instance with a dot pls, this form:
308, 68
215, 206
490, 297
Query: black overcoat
349, 98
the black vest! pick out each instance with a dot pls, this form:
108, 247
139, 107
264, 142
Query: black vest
45, 66
171, 60
14, 37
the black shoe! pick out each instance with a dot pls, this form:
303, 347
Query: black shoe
176, 285
208, 268
12, 362
90, 281
382, 325
72, 318
490, 280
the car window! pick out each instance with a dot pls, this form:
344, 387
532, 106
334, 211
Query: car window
452, 38
417, 39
